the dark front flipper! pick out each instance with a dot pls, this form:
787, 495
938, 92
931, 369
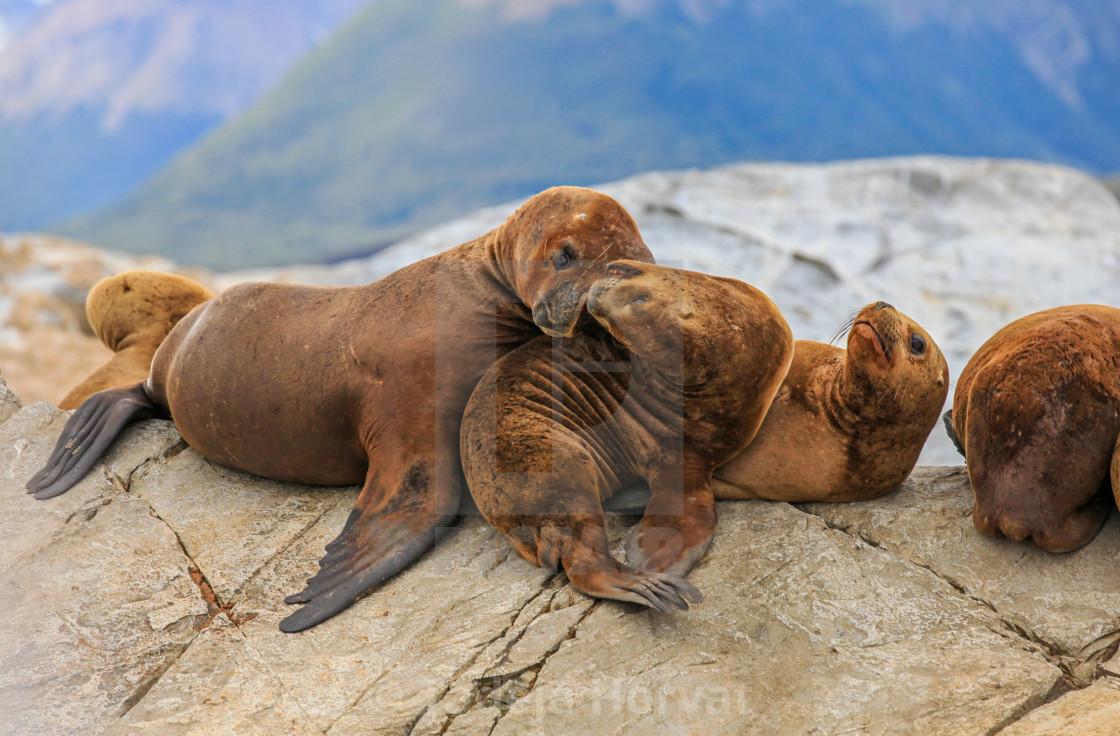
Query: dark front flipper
947, 419
377, 542
88, 434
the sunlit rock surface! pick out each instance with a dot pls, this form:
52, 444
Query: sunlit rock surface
146, 601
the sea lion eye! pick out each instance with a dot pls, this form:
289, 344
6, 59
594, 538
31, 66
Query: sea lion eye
563, 259
917, 345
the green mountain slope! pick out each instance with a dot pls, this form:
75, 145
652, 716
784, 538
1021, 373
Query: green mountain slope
420, 111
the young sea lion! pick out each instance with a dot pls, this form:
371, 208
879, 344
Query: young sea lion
363, 384
1036, 414
846, 425
131, 313
679, 385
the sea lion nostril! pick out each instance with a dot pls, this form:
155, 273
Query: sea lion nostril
882, 305
622, 270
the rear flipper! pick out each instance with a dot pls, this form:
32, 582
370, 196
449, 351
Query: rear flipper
947, 419
593, 571
88, 434
374, 546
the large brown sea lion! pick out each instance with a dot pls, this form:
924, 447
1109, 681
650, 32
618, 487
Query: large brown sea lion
363, 384
846, 425
131, 313
1036, 414
679, 385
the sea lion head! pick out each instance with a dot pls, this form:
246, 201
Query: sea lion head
685, 324
894, 358
563, 239
140, 304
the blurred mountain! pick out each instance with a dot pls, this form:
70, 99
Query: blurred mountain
96, 95
417, 112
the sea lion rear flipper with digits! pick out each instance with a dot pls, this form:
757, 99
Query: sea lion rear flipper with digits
88, 434
367, 384
373, 547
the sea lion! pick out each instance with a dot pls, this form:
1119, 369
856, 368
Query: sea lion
131, 313
366, 384
846, 425
676, 382
1036, 414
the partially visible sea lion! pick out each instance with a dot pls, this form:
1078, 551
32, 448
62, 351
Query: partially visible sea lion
131, 313
363, 384
1036, 414
678, 383
846, 425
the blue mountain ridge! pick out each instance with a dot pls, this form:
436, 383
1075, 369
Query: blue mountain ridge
418, 112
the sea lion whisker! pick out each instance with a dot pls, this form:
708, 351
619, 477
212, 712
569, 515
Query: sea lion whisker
845, 326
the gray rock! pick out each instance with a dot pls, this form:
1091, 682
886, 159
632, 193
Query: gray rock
1094, 711
219, 686
231, 523
146, 600
92, 619
803, 630
26, 441
9, 402
1070, 601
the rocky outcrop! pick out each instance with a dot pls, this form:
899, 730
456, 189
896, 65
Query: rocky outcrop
146, 600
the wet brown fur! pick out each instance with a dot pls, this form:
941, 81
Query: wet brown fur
846, 425
367, 384
674, 387
131, 313
1037, 413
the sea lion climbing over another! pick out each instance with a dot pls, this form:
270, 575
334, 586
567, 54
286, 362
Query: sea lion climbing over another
1036, 414
131, 313
676, 382
364, 384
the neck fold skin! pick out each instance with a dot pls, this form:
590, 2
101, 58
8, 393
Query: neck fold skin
500, 258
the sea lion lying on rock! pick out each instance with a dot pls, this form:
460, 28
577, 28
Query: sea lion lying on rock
367, 384
676, 385
131, 313
1036, 414
846, 425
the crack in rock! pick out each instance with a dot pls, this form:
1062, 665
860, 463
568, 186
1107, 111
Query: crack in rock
1078, 671
506, 703
544, 590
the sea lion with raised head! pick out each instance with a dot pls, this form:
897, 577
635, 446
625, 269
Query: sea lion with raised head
131, 313
676, 382
847, 424
1036, 414
367, 384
